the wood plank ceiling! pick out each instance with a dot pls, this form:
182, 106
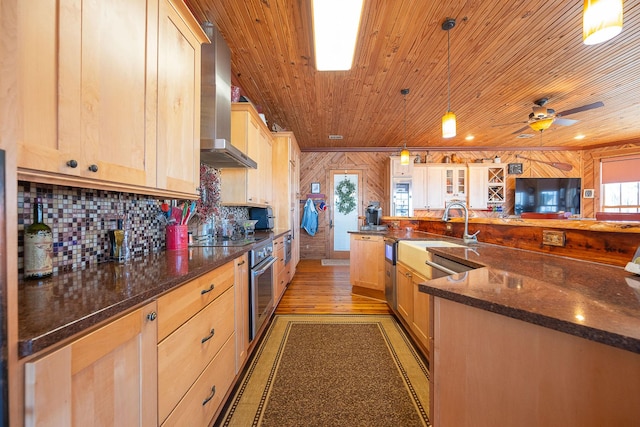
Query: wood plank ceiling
504, 55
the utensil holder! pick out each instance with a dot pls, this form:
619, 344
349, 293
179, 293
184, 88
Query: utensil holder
177, 237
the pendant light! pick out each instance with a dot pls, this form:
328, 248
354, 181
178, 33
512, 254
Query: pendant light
404, 154
449, 119
601, 20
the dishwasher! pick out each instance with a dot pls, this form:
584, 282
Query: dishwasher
390, 257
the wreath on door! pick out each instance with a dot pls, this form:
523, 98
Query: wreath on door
345, 191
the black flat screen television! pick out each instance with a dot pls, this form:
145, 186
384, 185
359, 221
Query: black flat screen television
547, 195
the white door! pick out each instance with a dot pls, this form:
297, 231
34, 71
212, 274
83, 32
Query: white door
345, 208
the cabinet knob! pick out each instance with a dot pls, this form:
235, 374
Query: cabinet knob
93, 168
152, 316
72, 163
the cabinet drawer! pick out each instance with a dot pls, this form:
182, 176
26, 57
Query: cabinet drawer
179, 305
367, 237
198, 407
186, 352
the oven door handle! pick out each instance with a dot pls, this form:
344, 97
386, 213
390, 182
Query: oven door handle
269, 263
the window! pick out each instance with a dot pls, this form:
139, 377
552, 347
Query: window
621, 184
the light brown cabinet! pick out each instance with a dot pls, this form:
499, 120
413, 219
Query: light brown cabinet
106, 377
241, 274
178, 99
196, 348
248, 187
95, 84
280, 276
413, 305
367, 265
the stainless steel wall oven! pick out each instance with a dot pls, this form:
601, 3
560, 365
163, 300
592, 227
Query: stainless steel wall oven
261, 262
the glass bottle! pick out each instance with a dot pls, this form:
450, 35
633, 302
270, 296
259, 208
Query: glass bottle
38, 246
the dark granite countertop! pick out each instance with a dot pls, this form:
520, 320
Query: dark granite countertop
56, 308
590, 300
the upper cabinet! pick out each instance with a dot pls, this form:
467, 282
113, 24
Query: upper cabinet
486, 185
400, 170
245, 186
178, 99
104, 86
286, 159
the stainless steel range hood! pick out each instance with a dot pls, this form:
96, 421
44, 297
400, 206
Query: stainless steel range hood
215, 106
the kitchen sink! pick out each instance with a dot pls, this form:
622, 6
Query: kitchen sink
414, 254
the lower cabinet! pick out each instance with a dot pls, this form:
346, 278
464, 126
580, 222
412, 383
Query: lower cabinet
367, 265
413, 305
197, 359
280, 277
241, 266
106, 377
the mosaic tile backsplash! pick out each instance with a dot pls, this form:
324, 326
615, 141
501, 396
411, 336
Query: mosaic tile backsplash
81, 218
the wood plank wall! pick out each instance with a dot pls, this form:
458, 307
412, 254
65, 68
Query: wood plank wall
315, 167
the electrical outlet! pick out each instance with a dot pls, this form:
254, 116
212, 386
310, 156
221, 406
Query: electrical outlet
449, 227
553, 238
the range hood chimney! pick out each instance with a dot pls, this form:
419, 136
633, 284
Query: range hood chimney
215, 106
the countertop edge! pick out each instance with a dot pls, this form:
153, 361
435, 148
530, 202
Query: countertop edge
593, 334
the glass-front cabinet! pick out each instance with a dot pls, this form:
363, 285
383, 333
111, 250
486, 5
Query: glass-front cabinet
455, 181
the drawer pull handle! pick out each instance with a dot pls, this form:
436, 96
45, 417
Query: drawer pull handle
208, 337
213, 393
241, 262
206, 291
408, 274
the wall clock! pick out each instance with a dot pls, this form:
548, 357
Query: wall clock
515, 168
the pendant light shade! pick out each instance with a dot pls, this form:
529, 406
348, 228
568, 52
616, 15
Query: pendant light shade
601, 20
404, 154
449, 125
449, 119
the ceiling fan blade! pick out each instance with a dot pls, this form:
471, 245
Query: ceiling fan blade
581, 109
507, 124
564, 122
520, 130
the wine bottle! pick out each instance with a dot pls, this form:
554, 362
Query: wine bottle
38, 246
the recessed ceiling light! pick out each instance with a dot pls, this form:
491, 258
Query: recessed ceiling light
579, 136
469, 137
335, 30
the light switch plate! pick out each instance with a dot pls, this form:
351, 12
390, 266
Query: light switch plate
553, 238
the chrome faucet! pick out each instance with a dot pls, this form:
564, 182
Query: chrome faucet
466, 237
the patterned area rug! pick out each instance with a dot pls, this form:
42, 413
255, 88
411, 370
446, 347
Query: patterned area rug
335, 262
346, 370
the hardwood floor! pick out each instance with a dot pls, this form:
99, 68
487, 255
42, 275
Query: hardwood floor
318, 289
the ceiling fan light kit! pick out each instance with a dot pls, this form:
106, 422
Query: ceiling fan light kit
404, 154
449, 119
601, 20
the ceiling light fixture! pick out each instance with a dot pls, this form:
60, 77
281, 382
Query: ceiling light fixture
335, 30
404, 154
542, 124
601, 20
449, 119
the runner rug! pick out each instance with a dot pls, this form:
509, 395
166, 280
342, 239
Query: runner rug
337, 370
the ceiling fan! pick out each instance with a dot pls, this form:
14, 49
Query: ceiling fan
541, 117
